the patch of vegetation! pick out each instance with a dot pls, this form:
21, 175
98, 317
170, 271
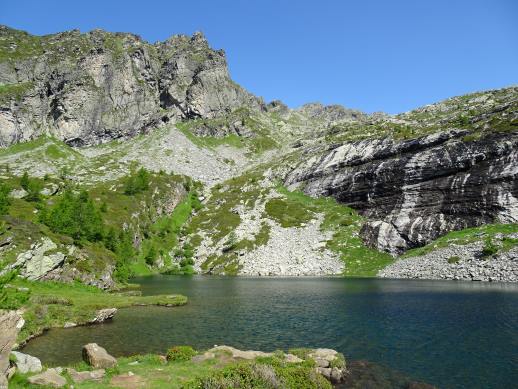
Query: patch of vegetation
52, 304
257, 141
24, 146
180, 353
137, 182
75, 215
5, 201
466, 236
288, 212
490, 248
222, 372
14, 91
267, 373
454, 259
11, 298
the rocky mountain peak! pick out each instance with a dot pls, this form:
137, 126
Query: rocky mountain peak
88, 88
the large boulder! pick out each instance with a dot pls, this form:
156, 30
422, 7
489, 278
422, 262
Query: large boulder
39, 260
10, 324
49, 377
98, 357
26, 363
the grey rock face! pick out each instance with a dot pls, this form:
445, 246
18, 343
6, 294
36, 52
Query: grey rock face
27, 363
413, 191
330, 113
39, 260
89, 88
10, 324
50, 377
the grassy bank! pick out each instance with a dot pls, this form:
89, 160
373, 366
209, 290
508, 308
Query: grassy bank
52, 304
221, 371
470, 235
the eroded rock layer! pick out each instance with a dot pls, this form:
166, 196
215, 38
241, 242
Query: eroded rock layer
415, 190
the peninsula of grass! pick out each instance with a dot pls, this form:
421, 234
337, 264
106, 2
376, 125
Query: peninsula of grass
470, 235
52, 304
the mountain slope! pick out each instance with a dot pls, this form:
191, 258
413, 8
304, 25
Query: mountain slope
270, 190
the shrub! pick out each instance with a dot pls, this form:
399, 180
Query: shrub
75, 216
11, 298
125, 255
4, 198
338, 362
489, 248
186, 262
454, 259
33, 191
463, 121
111, 240
151, 255
137, 183
180, 353
268, 375
24, 181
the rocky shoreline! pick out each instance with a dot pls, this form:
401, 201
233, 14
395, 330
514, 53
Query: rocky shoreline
457, 262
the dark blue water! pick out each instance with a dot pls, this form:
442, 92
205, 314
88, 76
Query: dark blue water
450, 334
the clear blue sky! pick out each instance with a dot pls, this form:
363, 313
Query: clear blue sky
372, 55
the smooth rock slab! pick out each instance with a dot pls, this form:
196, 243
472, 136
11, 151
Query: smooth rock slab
128, 381
26, 363
49, 377
239, 354
98, 357
80, 376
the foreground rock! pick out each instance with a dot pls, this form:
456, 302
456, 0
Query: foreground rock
10, 324
97, 357
80, 376
457, 262
50, 377
329, 363
26, 363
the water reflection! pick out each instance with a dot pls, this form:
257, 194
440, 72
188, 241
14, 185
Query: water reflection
451, 334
